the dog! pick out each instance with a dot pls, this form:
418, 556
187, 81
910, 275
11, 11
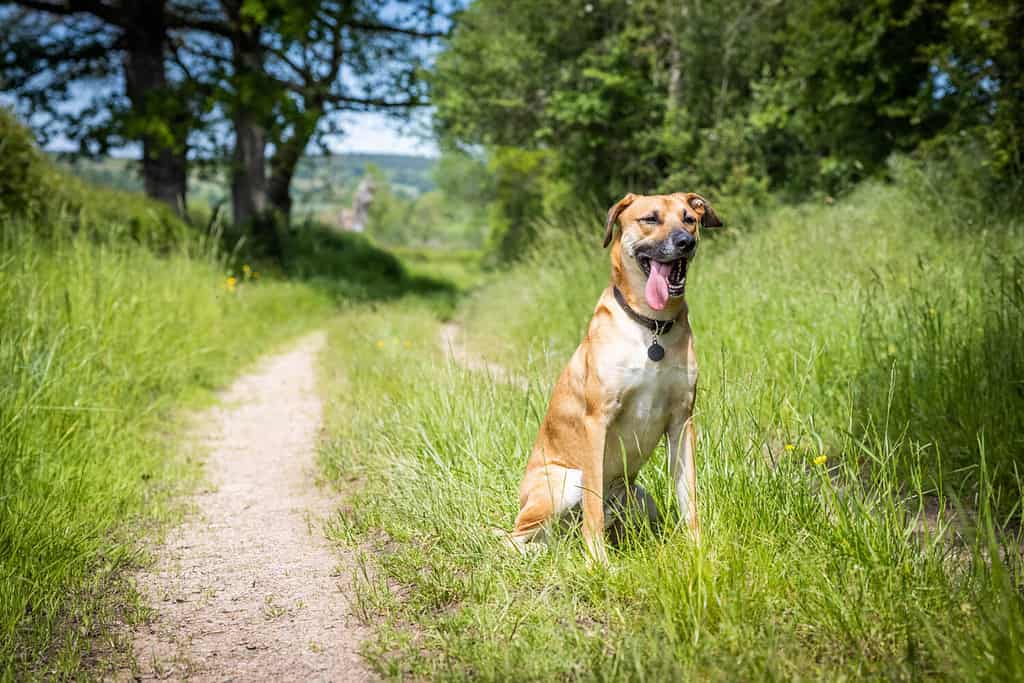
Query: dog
630, 382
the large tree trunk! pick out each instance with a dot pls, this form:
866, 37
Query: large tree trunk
286, 158
164, 165
248, 172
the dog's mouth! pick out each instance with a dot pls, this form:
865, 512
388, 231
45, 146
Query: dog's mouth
664, 279
676, 276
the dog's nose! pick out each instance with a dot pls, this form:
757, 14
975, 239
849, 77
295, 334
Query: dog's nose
683, 241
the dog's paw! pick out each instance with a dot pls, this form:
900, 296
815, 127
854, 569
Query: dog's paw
523, 547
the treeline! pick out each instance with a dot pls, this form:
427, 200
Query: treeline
255, 82
587, 99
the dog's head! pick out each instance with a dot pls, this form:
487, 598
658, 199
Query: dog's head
656, 241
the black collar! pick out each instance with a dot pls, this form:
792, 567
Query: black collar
658, 327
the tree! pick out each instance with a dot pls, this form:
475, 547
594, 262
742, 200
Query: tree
618, 93
292, 67
278, 73
50, 45
735, 97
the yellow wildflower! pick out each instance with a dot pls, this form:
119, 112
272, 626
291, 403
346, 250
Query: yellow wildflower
247, 271
821, 459
790, 448
230, 283
380, 343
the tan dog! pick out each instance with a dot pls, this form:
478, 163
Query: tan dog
629, 383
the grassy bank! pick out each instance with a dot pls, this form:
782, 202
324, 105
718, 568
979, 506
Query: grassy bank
100, 343
114, 315
883, 332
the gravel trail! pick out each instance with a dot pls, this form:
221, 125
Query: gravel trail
248, 588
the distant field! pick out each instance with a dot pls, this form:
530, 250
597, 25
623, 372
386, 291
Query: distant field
322, 184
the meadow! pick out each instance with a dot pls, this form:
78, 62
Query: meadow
860, 421
859, 324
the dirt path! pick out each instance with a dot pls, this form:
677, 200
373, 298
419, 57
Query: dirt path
451, 340
248, 589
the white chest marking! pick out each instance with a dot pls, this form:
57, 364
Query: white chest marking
644, 397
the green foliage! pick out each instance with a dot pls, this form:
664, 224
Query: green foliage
56, 204
820, 333
351, 267
453, 214
519, 181
735, 99
22, 168
980, 69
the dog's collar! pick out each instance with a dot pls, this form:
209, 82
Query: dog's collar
658, 327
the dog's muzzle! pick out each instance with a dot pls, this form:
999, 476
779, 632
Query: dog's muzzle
677, 250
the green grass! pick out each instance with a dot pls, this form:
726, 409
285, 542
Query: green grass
101, 344
884, 331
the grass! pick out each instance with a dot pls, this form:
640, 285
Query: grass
351, 268
883, 332
102, 343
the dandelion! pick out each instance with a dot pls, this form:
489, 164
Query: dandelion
892, 350
247, 271
380, 343
821, 459
230, 283
789, 447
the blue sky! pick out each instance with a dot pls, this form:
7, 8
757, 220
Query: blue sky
378, 133
372, 133
365, 132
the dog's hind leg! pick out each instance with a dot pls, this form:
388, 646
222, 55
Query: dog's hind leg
629, 507
546, 495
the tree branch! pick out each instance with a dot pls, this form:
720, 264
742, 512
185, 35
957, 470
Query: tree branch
67, 8
374, 102
212, 26
401, 30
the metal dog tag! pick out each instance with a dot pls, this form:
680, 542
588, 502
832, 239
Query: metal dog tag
655, 351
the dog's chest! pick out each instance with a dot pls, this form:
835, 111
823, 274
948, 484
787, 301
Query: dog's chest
645, 396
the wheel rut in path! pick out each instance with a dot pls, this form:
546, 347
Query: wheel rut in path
248, 588
452, 343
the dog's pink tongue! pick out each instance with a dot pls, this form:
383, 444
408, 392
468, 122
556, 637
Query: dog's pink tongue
656, 290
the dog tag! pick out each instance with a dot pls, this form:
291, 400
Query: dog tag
655, 351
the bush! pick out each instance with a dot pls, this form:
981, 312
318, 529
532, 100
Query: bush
23, 176
57, 203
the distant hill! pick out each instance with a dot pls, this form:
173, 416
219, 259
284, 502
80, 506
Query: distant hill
322, 186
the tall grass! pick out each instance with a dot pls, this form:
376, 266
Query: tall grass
882, 332
101, 340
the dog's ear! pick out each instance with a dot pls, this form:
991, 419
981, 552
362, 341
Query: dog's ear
708, 217
613, 217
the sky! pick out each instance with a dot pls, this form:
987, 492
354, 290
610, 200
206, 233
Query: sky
364, 132
379, 134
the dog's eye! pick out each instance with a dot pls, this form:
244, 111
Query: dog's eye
650, 218
688, 219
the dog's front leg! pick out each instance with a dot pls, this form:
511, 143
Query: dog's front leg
593, 491
682, 448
